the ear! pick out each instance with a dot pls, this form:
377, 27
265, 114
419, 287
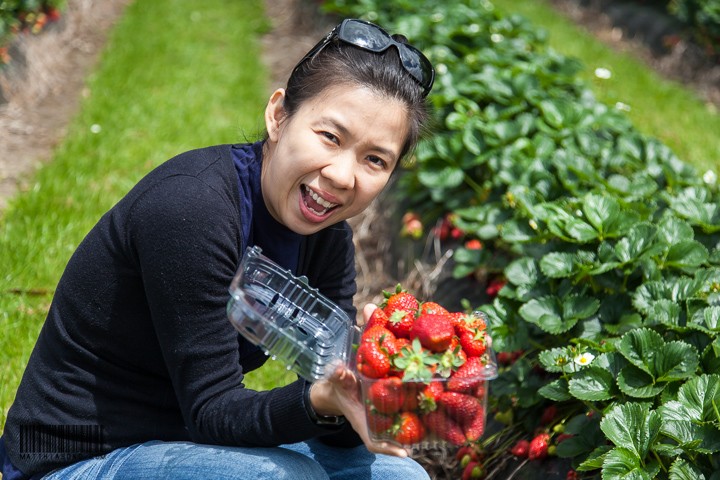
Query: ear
275, 114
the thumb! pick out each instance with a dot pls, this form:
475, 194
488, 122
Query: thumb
367, 312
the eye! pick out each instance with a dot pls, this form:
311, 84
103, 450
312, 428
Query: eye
377, 161
330, 137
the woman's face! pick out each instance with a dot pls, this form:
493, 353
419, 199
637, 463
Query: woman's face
332, 158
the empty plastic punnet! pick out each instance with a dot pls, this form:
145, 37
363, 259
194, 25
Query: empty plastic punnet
291, 321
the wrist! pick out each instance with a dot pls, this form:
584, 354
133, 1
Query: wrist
317, 408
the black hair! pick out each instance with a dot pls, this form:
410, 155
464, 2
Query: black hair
341, 63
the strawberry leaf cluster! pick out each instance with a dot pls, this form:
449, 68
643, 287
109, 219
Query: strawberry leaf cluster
608, 244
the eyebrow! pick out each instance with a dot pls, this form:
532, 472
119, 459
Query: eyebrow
344, 131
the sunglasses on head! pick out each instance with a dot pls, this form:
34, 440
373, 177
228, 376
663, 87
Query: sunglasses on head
370, 37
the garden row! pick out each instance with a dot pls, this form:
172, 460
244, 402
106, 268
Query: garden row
607, 244
24, 16
700, 17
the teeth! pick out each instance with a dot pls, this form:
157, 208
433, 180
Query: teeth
320, 201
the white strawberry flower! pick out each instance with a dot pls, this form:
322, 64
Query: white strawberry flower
584, 359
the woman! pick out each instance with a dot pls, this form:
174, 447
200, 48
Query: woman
137, 372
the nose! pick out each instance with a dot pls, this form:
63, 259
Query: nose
341, 171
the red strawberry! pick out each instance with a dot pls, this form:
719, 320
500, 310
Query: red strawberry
429, 396
435, 332
548, 415
378, 317
400, 308
468, 376
445, 428
372, 361
520, 449
468, 321
412, 397
408, 429
474, 343
460, 407
538, 448
377, 422
571, 475
387, 395
472, 471
382, 336
476, 428
432, 308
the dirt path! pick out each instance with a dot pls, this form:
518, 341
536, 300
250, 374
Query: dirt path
44, 94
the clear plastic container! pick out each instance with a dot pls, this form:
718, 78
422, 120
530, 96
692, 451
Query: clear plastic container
450, 411
291, 321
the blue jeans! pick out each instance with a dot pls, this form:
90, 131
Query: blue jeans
310, 460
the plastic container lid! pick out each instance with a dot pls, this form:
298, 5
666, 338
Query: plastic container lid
291, 321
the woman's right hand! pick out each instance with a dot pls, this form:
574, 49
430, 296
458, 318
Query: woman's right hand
340, 394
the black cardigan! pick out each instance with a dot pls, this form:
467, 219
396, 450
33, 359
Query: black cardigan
137, 339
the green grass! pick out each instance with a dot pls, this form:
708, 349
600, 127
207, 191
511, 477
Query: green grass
659, 107
170, 79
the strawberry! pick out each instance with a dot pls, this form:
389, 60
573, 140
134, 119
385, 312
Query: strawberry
445, 428
435, 332
452, 359
415, 363
400, 308
520, 449
379, 423
460, 407
466, 321
382, 336
378, 317
408, 429
548, 415
387, 395
465, 455
412, 397
433, 309
538, 448
571, 475
475, 429
467, 377
429, 396
474, 343
372, 361
472, 471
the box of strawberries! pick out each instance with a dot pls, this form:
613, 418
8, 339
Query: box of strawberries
424, 372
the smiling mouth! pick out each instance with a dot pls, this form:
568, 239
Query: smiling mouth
315, 203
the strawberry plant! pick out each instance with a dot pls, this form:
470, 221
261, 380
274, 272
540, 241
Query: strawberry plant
606, 247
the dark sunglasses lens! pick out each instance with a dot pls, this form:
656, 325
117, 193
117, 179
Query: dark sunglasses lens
417, 65
365, 36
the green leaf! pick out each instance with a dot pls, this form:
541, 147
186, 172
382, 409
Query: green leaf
622, 464
558, 265
522, 271
557, 390
692, 419
595, 459
552, 113
592, 384
448, 177
604, 213
673, 230
639, 346
547, 313
638, 240
688, 253
633, 426
638, 383
579, 307
677, 360
682, 470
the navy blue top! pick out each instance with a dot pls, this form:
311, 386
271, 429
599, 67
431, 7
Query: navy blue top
137, 343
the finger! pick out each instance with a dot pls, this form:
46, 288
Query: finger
367, 312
